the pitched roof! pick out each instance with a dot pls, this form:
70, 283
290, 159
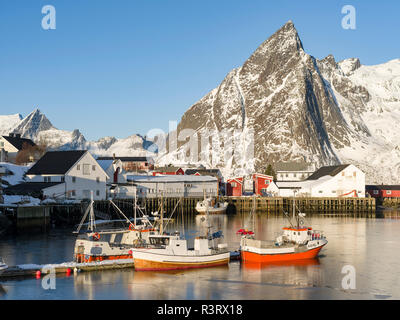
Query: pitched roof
171, 178
167, 169
208, 172
382, 187
127, 159
324, 171
105, 164
18, 142
56, 162
29, 188
292, 166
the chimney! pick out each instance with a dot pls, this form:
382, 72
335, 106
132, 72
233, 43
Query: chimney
18, 135
11, 135
114, 156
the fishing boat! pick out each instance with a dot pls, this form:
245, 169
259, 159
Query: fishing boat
171, 252
3, 266
115, 243
213, 206
296, 242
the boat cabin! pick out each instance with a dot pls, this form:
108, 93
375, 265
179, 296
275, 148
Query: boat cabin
298, 235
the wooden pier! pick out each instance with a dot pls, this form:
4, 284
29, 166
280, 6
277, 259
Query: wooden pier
267, 205
324, 206
28, 271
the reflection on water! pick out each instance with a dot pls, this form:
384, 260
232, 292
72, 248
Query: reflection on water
370, 245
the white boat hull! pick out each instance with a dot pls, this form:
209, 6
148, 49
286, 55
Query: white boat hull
155, 259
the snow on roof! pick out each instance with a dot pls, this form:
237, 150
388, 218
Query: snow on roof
105, 164
302, 184
172, 178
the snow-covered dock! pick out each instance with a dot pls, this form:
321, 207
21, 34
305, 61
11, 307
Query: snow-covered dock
38, 270
29, 270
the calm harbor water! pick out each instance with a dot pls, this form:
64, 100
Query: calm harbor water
370, 245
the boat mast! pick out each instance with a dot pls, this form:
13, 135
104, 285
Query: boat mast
91, 216
162, 214
135, 199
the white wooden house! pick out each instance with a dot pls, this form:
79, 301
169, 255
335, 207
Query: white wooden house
69, 174
332, 181
293, 171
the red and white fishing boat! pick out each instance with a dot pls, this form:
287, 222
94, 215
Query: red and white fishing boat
112, 244
296, 242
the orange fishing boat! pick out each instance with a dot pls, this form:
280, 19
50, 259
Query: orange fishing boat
297, 242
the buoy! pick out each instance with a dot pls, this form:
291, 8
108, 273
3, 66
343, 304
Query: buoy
130, 252
68, 271
38, 274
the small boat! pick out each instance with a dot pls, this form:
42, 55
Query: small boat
296, 242
171, 252
213, 206
3, 266
111, 244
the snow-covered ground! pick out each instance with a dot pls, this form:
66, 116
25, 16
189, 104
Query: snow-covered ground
21, 200
14, 173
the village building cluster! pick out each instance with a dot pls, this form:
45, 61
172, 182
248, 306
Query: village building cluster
75, 175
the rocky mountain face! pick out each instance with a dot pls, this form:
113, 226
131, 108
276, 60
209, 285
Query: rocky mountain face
297, 108
37, 127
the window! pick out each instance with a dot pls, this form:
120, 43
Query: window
98, 180
47, 179
233, 184
376, 191
1, 144
354, 174
73, 179
73, 193
320, 191
333, 191
388, 191
294, 175
94, 168
86, 169
63, 179
78, 167
97, 192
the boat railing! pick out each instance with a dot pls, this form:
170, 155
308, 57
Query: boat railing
317, 235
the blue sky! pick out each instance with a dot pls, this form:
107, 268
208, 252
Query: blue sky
114, 68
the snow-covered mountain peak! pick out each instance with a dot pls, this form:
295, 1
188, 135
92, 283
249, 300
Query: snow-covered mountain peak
32, 124
303, 109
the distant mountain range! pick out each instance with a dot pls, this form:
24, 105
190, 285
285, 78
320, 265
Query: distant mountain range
37, 127
304, 109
